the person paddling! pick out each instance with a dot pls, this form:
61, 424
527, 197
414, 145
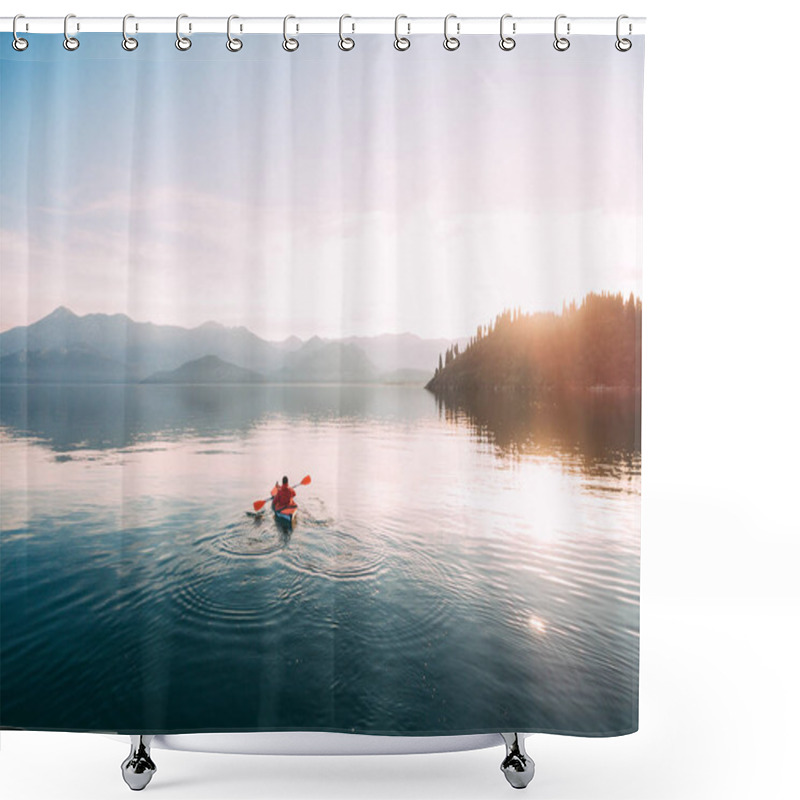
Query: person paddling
258, 505
284, 497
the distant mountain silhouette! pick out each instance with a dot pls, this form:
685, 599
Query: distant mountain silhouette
142, 347
289, 344
209, 369
78, 364
64, 347
318, 361
391, 352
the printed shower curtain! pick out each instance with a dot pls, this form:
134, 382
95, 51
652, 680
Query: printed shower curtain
320, 385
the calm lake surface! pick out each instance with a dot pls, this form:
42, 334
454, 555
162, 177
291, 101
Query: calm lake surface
450, 571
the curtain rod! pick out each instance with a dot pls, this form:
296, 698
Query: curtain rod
412, 25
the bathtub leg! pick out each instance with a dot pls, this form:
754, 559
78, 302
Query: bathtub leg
138, 768
517, 766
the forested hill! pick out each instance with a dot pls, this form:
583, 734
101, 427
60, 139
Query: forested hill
596, 344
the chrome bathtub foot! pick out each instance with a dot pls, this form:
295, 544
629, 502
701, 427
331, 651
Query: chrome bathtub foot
138, 768
517, 766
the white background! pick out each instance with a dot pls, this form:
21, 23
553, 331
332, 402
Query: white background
720, 532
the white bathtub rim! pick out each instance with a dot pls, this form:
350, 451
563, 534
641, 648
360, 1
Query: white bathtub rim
317, 743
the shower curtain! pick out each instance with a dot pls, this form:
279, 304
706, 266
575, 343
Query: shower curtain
320, 399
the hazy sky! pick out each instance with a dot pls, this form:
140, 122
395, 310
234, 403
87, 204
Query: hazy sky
317, 192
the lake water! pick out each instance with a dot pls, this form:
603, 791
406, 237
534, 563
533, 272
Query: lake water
451, 570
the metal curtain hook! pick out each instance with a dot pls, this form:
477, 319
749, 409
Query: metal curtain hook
128, 42
70, 42
451, 42
401, 42
345, 42
18, 43
234, 45
623, 45
290, 45
507, 42
181, 42
561, 43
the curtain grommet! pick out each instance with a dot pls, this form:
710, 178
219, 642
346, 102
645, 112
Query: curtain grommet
71, 43
401, 43
289, 44
507, 43
451, 43
129, 43
17, 42
233, 44
182, 42
346, 43
561, 43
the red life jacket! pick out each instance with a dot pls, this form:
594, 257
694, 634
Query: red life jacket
284, 496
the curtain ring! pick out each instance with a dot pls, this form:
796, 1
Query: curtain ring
507, 42
70, 42
401, 42
289, 45
451, 42
128, 42
561, 43
345, 42
18, 43
181, 42
234, 45
623, 45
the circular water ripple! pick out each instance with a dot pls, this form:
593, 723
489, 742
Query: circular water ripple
259, 536
393, 589
232, 575
254, 537
428, 595
340, 555
231, 597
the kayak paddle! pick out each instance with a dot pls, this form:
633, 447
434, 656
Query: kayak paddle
259, 504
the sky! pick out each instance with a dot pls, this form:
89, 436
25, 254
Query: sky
318, 192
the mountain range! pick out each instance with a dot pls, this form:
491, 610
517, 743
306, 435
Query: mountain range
101, 348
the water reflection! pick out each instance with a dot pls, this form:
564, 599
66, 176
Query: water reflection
600, 428
102, 417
